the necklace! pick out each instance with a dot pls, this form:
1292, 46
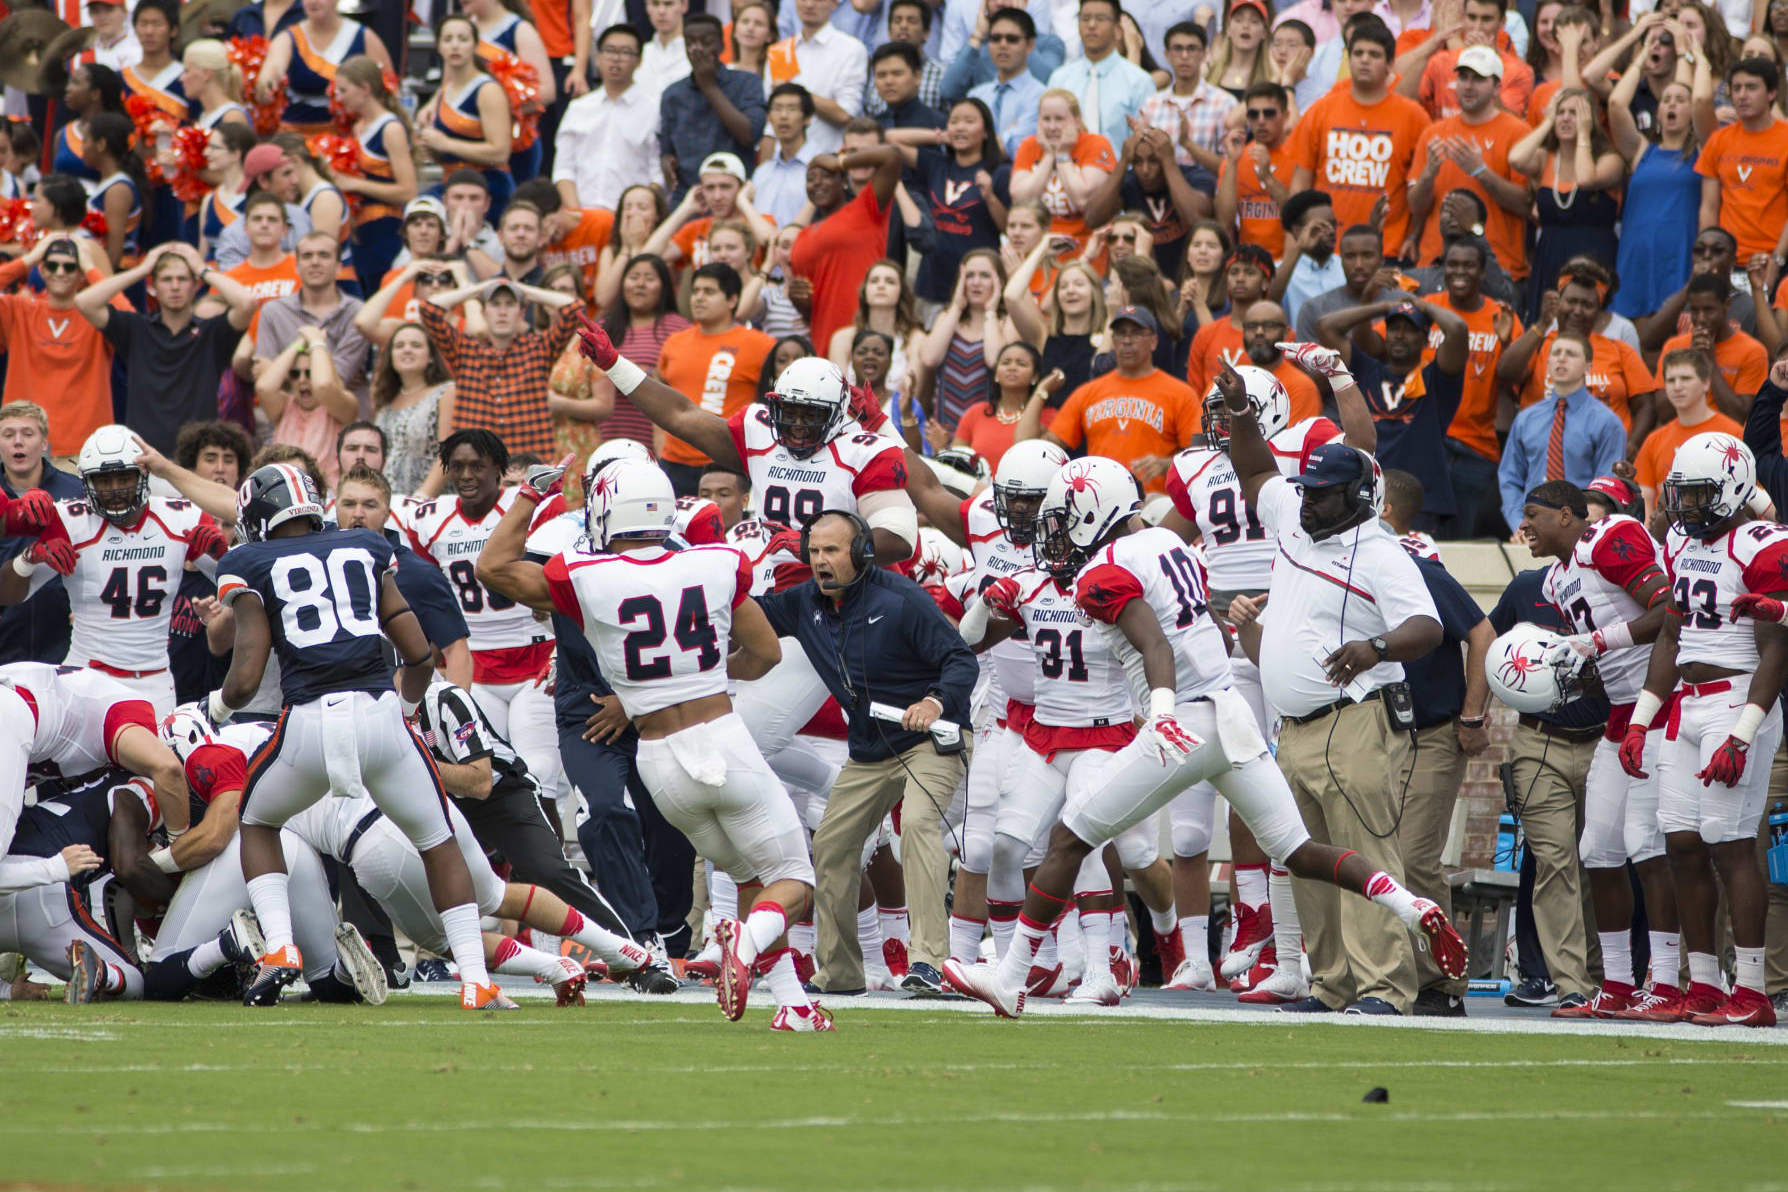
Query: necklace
1008, 419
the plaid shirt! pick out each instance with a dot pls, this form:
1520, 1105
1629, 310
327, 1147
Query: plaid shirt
1204, 110
501, 390
931, 90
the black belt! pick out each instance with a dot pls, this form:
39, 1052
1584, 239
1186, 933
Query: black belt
1343, 702
366, 821
1574, 735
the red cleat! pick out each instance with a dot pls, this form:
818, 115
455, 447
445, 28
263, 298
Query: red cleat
1172, 951
1743, 1007
1265, 965
733, 984
1655, 1003
1443, 940
1253, 932
569, 989
1701, 999
894, 956
1047, 982
1609, 1000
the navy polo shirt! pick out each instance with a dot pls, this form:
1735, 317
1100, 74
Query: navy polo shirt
36, 630
1437, 682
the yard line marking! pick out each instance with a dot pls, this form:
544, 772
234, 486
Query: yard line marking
1758, 1104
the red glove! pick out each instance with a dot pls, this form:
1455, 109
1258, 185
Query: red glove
594, 342
1002, 598
59, 553
1759, 608
865, 409
783, 540
30, 513
1727, 765
1632, 751
206, 539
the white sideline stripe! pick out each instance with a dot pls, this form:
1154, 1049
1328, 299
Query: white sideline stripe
1758, 1104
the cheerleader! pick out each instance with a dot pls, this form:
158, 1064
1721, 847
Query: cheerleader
91, 89
324, 204
387, 167
502, 31
225, 152
118, 195
305, 58
468, 121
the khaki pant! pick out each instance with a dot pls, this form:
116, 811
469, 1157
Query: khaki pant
862, 795
1433, 772
1775, 931
1340, 769
1550, 773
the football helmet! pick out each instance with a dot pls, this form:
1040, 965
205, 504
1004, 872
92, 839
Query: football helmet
938, 559
1019, 484
273, 495
1086, 500
629, 500
185, 729
112, 450
809, 405
610, 450
1272, 406
961, 470
1710, 482
1520, 675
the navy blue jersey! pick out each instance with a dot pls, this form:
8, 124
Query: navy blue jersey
321, 593
72, 813
430, 596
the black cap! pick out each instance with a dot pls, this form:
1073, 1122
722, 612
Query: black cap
1142, 316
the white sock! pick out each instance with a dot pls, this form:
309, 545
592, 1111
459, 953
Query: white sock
1617, 956
1002, 925
599, 940
1748, 968
515, 957
1704, 969
1195, 936
869, 938
1095, 930
1250, 885
762, 927
1117, 929
784, 985
273, 908
1387, 891
723, 895
1063, 939
965, 938
894, 923
1026, 950
1666, 957
1162, 921
1288, 931
466, 942
205, 959
802, 937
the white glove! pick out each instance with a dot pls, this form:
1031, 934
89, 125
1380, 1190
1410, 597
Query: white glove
1162, 735
1314, 358
1575, 652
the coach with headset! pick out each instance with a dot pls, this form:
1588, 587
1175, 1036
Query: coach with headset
874, 636
1346, 608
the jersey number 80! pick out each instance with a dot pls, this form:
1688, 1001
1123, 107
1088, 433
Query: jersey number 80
325, 601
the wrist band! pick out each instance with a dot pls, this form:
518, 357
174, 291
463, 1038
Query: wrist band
1746, 726
23, 566
408, 707
220, 711
626, 375
1615, 637
1473, 721
163, 859
1161, 702
1645, 709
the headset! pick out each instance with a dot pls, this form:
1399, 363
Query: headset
862, 543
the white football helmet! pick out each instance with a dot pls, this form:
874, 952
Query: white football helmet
809, 405
1272, 406
610, 450
939, 558
112, 450
629, 500
1520, 674
185, 729
1019, 484
1710, 481
960, 469
1086, 500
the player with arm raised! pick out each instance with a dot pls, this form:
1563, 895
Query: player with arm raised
324, 599
1723, 652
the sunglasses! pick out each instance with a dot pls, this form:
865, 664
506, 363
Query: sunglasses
1706, 250
434, 279
1125, 237
1005, 39
1262, 113
53, 267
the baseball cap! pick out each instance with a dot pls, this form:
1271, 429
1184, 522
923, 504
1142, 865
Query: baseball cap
1330, 464
723, 163
1480, 60
1614, 488
501, 283
1410, 311
1258, 6
1140, 315
426, 205
260, 160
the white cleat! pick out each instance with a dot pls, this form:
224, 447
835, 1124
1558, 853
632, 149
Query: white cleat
1276, 989
877, 979
363, 967
1194, 973
1098, 989
981, 982
802, 1018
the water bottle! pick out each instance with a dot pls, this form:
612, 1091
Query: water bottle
1778, 844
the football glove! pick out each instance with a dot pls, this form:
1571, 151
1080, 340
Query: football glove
1002, 598
1167, 739
1575, 651
1727, 765
30, 513
1632, 751
1759, 608
1314, 358
207, 539
594, 343
543, 480
59, 553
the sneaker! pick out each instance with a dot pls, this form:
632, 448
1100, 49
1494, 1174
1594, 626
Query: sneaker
1532, 993
1437, 1003
483, 997
1307, 1005
1101, 988
733, 985
1780, 1002
1571, 1001
364, 969
1124, 970
1444, 941
1171, 951
398, 977
1265, 965
1655, 1003
981, 982
1743, 1007
432, 969
273, 972
1373, 1005
241, 939
812, 1017
923, 981
1278, 988
706, 965
655, 978
1253, 931
87, 974
1701, 999
1193, 973
1612, 997
894, 956
569, 988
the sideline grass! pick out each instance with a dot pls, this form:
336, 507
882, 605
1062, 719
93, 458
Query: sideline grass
634, 1094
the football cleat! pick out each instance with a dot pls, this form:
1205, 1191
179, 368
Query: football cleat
811, 1017
273, 972
1123, 970
1444, 941
1253, 931
363, 967
1265, 965
569, 989
733, 985
1048, 982
1610, 999
1742, 1007
1701, 999
1277, 988
1193, 973
706, 965
894, 956
981, 982
1655, 1003
483, 997
655, 978
1171, 951
241, 939
87, 974
1101, 988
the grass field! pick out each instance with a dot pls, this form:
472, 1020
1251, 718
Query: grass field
629, 1093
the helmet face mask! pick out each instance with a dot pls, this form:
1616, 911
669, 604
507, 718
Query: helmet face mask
118, 492
801, 427
1216, 421
1053, 549
1693, 505
1016, 509
1519, 675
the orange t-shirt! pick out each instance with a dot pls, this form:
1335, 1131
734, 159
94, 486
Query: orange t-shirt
1741, 360
1659, 448
57, 359
1217, 342
1439, 88
1359, 153
1753, 171
719, 373
582, 245
1066, 219
1616, 373
1505, 230
692, 240
553, 19
1257, 215
1475, 422
1127, 419
275, 281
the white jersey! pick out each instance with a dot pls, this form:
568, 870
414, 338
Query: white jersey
1705, 578
1206, 492
996, 557
121, 594
327, 824
754, 540
509, 636
1154, 566
1589, 587
660, 620
794, 491
1080, 682
79, 714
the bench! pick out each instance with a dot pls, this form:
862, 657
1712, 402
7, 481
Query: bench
1485, 899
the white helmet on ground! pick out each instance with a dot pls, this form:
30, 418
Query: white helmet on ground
809, 405
113, 450
1520, 675
1087, 499
939, 558
1710, 481
610, 450
629, 500
1272, 406
1019, 484
185, 729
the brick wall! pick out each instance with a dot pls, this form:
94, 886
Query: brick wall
1482, 791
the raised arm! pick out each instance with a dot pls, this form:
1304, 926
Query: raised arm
1248, 451
668, 409
502, 566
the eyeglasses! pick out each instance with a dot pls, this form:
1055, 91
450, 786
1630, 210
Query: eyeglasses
1262, 113
1706, 250
48, 268
1270, 325
1125, 237
433, 279
1005, 39
1193, 48
619, 51
1096, 18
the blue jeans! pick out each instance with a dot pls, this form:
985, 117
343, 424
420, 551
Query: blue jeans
1475, 493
